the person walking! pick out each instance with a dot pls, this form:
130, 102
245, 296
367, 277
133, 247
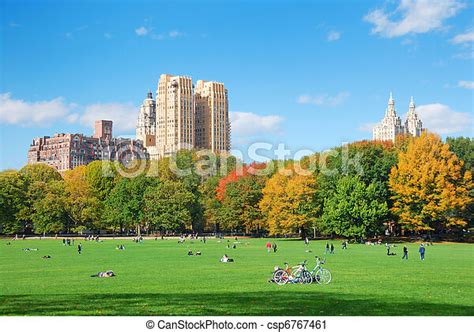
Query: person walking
274, 246
327, 247
387, 245
405, 252
332, 248
422, 252
269, 246
306, 241
79, 248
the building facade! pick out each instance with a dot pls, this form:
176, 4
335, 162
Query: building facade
391, 125
185, 117
66, 151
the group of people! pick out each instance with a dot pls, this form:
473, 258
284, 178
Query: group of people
190, 253
329, 248
271, 247
120, 247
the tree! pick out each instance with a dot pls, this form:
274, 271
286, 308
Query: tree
13, 201
101, 176
49, 208
169, 206
288, 203
124, 207
242, 197
81, 205
354, 210
463, 148
40, 172
429, 189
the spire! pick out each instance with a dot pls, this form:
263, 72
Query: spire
412, 103
149, 95
390, 100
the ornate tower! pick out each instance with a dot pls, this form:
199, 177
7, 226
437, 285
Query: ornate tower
413, 125
391, 124
146, 123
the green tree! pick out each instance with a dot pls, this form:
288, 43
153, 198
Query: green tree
13, 201
354, 210
40, 172
169, 206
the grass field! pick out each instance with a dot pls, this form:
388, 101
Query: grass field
158, 278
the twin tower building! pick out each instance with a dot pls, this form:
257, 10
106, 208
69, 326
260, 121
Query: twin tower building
184, 116
391, 125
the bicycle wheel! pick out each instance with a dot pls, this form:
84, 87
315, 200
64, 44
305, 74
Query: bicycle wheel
323, 276
281, 277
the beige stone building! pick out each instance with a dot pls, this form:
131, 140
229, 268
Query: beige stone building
212, 126
174, 114
391, 124
184, 116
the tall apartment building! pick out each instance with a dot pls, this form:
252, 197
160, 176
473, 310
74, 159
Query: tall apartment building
391, 124
212, 116
174, 114
66, 151
185, 117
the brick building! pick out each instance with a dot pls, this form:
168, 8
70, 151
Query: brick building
66, 151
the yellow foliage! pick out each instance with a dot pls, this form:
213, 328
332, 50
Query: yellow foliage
429, 189
287, 203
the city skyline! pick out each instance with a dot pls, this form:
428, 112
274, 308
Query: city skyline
295, 83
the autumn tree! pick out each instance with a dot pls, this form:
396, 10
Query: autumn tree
288, 203
81, 205
429, 188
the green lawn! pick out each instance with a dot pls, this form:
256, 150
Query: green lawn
158, 278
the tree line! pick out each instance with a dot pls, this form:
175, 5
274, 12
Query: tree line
415, 185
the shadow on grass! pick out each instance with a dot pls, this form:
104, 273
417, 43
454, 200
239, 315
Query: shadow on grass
253, 303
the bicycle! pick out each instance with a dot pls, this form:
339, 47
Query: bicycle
320, 274
295, 274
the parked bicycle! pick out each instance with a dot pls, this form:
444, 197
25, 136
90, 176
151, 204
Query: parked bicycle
294, 275
320, 274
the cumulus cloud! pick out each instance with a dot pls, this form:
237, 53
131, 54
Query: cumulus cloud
413, 17
24, 113
441, 119
324, 99
466, 84
175, 33
141, 31
333, 36
463, 38
124, 116
251, 124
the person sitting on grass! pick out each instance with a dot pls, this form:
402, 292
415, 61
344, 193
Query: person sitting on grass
46, 257
106, 274
198, 253
226, 259
190, 252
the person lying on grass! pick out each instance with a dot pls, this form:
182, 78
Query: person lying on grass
30, 249
106, 274
46, 257
226, 259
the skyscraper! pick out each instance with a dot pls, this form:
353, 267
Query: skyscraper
212, 124
413, 124
174, 114
184, 117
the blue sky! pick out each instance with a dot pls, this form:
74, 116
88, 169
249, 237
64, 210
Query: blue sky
309, 74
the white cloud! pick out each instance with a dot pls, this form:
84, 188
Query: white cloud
367, 126
23, 113
107, 35
124, 116
466, 84
251, 124
141, 31
175, 33
441, 119
333, 36
324, 99
412, 17
463, 38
